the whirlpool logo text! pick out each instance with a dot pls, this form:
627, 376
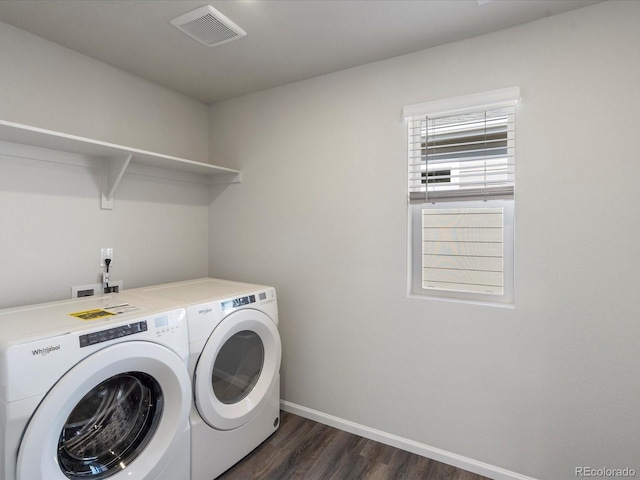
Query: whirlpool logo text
46, 350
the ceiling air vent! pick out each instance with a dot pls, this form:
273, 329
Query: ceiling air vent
207, 25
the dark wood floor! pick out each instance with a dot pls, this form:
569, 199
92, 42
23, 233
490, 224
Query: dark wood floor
302, 449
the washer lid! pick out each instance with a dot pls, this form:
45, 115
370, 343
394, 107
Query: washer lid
237, 369
127, 376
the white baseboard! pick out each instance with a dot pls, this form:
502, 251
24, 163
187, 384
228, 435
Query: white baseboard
433, 453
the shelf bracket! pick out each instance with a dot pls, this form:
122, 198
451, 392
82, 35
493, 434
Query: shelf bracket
112, 172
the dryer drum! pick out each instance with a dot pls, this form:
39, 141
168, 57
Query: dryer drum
110, 426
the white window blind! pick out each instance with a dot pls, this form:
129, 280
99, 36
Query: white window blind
462, 153
462, 250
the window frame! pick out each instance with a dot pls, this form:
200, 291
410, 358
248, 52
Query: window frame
487, 100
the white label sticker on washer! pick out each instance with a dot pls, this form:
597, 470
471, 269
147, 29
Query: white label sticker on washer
122, 308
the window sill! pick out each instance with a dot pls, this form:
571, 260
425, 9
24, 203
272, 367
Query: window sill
481, 303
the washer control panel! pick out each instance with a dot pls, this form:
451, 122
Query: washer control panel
112, 333
166, 324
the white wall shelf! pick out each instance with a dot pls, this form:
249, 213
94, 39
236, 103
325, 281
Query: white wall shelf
117, 158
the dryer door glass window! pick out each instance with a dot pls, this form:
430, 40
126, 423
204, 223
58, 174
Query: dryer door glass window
110, 426
237, 367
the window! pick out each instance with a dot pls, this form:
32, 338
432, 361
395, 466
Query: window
461, 156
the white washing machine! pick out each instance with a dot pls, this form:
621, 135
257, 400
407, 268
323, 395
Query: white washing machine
234, 361
94, 388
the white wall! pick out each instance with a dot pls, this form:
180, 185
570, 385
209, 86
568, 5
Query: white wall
52, 227
49, 86
539, 389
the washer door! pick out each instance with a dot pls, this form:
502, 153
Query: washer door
119, 413
237, 369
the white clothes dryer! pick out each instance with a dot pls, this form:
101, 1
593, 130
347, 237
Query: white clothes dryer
94, 388
234, 362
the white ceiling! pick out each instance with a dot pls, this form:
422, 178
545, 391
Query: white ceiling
287, 41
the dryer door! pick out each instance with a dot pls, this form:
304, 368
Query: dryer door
237, 369
119, 413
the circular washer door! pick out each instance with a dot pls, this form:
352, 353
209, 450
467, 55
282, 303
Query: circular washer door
237, 369
119, 413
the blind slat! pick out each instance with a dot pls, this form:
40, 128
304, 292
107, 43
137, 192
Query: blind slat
462, 155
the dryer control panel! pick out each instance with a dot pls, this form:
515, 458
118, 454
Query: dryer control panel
261, 297
239, 302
